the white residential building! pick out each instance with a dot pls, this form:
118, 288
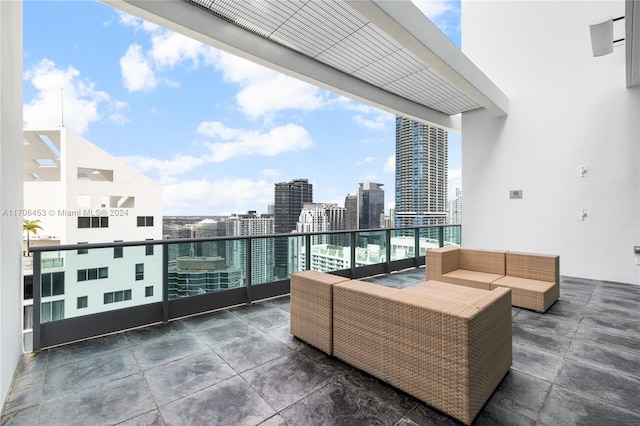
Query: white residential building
82, 194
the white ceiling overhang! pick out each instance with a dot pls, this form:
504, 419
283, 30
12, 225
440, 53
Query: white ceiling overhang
382, 53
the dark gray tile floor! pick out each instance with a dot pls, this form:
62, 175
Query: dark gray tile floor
577, 364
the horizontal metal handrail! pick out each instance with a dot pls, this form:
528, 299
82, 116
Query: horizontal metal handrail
63, 247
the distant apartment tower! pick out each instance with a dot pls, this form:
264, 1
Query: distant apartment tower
351, 211
455, 209
421, 174
289, 200
262, 249
210, 228
322, 217
370, 205
173, 231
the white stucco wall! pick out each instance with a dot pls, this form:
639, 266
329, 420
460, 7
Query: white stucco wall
10, 189
54, 198
567, 109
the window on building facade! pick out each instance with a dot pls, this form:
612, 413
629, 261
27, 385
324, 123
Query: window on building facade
52, 284
148, 250
145, 220
118, 252
93, 221
82, 302
93, 274
52, 311
117, 296
139, 271
148, 291
83, 251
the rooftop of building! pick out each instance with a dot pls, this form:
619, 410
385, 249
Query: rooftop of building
576, 364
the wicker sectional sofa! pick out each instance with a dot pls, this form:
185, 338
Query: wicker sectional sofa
449, 346
533, 278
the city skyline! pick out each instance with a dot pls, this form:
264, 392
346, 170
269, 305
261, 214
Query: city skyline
216, 131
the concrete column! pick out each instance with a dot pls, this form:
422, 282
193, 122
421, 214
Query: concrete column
10, 189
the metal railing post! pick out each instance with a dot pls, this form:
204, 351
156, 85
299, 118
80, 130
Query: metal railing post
387, 267
441, 236
353, 254
37, 293
165, 282
249, 266
416, 245
307, 251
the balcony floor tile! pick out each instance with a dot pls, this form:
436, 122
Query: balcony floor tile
232, 402
181, 378
577, 364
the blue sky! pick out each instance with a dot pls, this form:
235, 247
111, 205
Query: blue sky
215, 130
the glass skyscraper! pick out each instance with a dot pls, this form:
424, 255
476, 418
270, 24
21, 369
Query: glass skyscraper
421, 174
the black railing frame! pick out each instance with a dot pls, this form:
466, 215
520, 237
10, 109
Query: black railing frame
162, 312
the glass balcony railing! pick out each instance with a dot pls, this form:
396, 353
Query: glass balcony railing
103, 288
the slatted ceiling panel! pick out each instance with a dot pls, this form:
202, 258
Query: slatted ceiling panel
436, 94
316, 28
374, 40
355, 52
339, 12
312, 36
351, 54
334, 34
392, 67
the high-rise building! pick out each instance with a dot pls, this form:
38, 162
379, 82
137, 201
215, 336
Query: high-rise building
455, 209
322, 217
289, 200
351, 211
421, 174
261, 249
370, 205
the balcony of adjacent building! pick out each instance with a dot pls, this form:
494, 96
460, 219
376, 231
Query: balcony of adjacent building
229, 358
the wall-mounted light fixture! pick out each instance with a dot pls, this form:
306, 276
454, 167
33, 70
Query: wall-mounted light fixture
602, 41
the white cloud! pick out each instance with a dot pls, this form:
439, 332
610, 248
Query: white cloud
137, 72
137, 23
378, 122
170, 49
210, 197
263, 91
366, 160
368, 117
242, 143
144, 70
178, 164
60, 89
371, 177
277, 94
390, 164
271, 173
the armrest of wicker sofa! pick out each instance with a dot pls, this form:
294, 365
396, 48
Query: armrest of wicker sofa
533, 278
312, 308
468, 267
442, 260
